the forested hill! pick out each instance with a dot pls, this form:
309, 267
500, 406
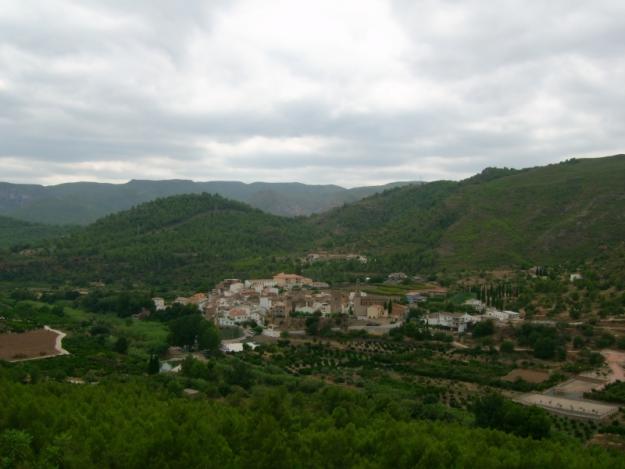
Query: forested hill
566, 211
19, 234
84, 202
181, 239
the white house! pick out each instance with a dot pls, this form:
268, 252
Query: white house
501, 315
236, 347
232, 347
575, 276
454, 321
159, 303
475, 304
236, 287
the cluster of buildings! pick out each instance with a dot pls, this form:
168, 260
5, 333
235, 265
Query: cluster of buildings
460, 322
284, 300
267, 301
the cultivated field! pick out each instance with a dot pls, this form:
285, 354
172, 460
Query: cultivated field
531, 376
40, 343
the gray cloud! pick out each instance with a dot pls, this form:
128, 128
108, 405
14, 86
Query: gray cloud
353, 92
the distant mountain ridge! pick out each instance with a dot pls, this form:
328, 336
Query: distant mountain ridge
82, 203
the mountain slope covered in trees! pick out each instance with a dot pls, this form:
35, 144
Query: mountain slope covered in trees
179, 239
570, 211
84, 202
18, 233
566, 211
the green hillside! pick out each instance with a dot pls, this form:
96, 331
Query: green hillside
18, 233
190, 239
399, 228
550, 214
499, 218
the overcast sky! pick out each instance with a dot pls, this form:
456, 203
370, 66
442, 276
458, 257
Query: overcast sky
351, 92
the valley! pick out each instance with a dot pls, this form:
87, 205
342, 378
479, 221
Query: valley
480, 321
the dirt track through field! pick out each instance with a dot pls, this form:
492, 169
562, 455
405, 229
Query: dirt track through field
31, 345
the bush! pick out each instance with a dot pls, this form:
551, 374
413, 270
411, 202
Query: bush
484, 328
506, 347
493, 411
121, 345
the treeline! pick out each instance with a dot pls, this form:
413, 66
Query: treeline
499, 295
123, 304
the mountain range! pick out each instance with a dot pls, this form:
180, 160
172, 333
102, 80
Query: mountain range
567, 212
82, 203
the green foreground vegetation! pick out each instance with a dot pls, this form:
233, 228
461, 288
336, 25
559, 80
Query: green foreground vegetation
138, 423
345, 400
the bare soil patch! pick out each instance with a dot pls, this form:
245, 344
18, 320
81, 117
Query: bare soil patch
616, 361
577, 387
609, 441
531, 376
40, 343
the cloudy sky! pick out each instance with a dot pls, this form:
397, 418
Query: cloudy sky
351, 92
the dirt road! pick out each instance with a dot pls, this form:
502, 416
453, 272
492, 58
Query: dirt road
616, 361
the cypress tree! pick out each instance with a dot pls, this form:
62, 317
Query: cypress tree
154, 364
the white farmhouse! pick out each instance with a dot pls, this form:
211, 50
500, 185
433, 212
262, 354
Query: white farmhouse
576, 276
455, 321
159, 303
475, 304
